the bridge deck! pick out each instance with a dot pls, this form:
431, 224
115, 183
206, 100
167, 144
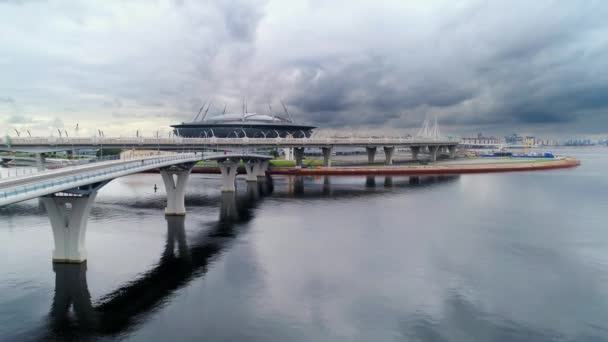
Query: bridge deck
18, 189
48, 144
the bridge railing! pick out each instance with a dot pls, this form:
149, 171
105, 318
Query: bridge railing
55, 178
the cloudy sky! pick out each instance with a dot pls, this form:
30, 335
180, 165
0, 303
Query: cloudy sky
493, 66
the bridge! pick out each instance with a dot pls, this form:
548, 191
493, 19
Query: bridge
40, 145
68, 193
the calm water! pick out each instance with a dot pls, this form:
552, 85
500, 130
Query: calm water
501, 257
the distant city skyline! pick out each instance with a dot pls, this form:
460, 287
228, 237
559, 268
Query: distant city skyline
498, 67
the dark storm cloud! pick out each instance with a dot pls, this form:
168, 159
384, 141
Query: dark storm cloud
241, 17
507, 65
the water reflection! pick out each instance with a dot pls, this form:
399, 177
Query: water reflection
119, 312
74, 316
309, 187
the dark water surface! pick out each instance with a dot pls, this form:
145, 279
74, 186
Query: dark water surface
497, 257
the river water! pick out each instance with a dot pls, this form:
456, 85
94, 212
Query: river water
495, 257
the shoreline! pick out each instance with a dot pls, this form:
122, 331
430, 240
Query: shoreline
439, 169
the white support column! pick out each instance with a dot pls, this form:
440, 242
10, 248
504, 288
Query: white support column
252, 166
433, 152
298, 153
175, 181
228, 169
452, 150
68, 215
262, 168
288, 152
371, 154
326, 156
415, 150
388, 155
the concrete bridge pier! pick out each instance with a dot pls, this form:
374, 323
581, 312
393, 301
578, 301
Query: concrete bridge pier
433, 152
326, 156
371, 154
228, 168
255, 169
175, 179
69, 215
298, 154
262, 168
415, 151
452, 150
388, 155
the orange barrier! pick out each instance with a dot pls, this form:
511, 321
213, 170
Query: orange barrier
428, 170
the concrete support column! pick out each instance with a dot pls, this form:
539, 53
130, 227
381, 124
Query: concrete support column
251, 167
40, 161
68, 215
326, 156
452, 149
433, 152
228, 169
415, 151
175, 186
388, 155
288, 152
256, 169
371, 154
298, 154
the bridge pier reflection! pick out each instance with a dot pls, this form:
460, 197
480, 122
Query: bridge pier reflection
73, 315
71, 291
176, 237
370, 181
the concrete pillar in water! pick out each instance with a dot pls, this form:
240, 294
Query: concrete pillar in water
228, 169
452, 150
262, 168
256, 169
69, 215
251, 170
175, 185
433, 152
388, 155
415, 150
371, 154
298, 154
326, 156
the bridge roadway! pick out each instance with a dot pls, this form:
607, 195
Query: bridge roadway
433, 146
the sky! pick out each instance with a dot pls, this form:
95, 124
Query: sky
497, 67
